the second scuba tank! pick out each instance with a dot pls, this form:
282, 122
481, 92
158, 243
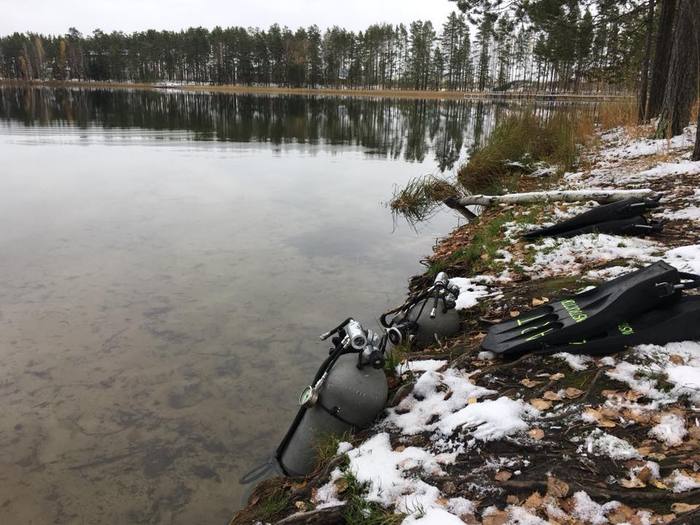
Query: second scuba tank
425, 317
348, 393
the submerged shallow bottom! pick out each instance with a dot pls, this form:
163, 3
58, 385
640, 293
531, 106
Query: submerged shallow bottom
160, 308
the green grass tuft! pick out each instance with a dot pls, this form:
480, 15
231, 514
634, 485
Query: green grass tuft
359, 511
419, 199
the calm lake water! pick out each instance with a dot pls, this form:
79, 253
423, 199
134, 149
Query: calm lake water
167, 261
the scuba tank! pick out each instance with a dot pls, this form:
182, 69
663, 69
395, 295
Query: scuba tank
347, 393
425, 317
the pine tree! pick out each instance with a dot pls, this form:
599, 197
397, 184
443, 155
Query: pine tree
662, 57
681, 85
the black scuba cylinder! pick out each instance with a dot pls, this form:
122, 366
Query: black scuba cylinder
348, 392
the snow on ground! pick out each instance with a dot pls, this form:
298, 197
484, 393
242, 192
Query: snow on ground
569, 256
422, 365
469, 292
682, 482
589, 511
685, 258
677, 364
443, 403
390, 474
426, 409
670, 430
691, 213
577, 362
600, 443
644, 147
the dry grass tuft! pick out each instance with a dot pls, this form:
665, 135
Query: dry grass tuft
616, 114
419, 199
526, 139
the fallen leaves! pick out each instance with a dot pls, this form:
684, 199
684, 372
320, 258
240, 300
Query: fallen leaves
503, 475
536, 433
529, 383
599, 418
633, 483
573, 393
684, 507
676, 359
534, 501
540, 404
549, 395
556, 487
557, 376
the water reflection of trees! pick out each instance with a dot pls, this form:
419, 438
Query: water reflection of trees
392, 128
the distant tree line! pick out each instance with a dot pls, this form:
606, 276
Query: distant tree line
553, 45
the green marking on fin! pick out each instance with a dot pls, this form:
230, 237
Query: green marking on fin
625, 329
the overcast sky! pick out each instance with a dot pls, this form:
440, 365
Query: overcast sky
56, 16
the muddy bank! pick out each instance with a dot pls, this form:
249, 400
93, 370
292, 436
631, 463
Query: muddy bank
563, 438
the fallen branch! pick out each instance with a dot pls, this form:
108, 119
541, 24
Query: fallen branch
315, 517
601, 196
454, 203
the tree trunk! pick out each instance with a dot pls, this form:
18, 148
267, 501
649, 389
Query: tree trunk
681, 85
662, 57
696, 151
645, 64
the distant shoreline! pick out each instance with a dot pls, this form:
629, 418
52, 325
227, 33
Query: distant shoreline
274, 90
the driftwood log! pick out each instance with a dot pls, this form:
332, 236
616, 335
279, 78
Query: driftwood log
602, 196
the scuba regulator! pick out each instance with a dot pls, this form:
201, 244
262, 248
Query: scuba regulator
425, 316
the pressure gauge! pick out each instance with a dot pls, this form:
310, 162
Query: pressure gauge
308, 397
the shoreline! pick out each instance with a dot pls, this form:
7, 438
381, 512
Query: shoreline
335, 92
550, 475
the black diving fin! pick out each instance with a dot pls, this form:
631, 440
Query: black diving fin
631, 226
616, 217
679, 321
588, 313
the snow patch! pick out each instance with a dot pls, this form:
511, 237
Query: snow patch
685, 258
577, 362
420, 365
682, 482
390, 475
569, 256
589, 511
670, 430
469, 292
601, 443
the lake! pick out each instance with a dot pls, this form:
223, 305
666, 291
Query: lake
167, 261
